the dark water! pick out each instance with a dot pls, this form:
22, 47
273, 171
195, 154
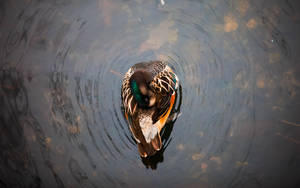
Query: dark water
61, 65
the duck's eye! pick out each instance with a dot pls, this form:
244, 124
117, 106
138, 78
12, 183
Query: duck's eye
146, 99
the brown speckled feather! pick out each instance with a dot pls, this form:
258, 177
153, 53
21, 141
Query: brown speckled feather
163, 84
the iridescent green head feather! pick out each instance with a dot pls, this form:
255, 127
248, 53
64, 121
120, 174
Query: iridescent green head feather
139, 85
136, 91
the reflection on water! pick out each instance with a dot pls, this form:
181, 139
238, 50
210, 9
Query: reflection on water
61, 67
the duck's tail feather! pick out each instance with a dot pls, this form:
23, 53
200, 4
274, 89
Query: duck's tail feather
148, 149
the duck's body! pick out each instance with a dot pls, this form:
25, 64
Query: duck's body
148, 94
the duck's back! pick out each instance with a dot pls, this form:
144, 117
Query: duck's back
154, 67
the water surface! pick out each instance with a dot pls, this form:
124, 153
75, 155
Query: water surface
61, 67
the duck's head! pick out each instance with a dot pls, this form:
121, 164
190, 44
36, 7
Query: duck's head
140, 87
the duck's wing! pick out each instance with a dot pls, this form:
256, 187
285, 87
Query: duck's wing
127, 96
130, 105
165, 85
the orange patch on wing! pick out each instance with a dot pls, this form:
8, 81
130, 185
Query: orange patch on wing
126, 116
163, 119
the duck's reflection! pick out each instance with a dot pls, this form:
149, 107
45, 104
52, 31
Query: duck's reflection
152, 161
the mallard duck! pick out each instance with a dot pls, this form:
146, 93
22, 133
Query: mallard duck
149, 91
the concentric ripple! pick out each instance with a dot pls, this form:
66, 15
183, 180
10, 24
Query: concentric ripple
62, 65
